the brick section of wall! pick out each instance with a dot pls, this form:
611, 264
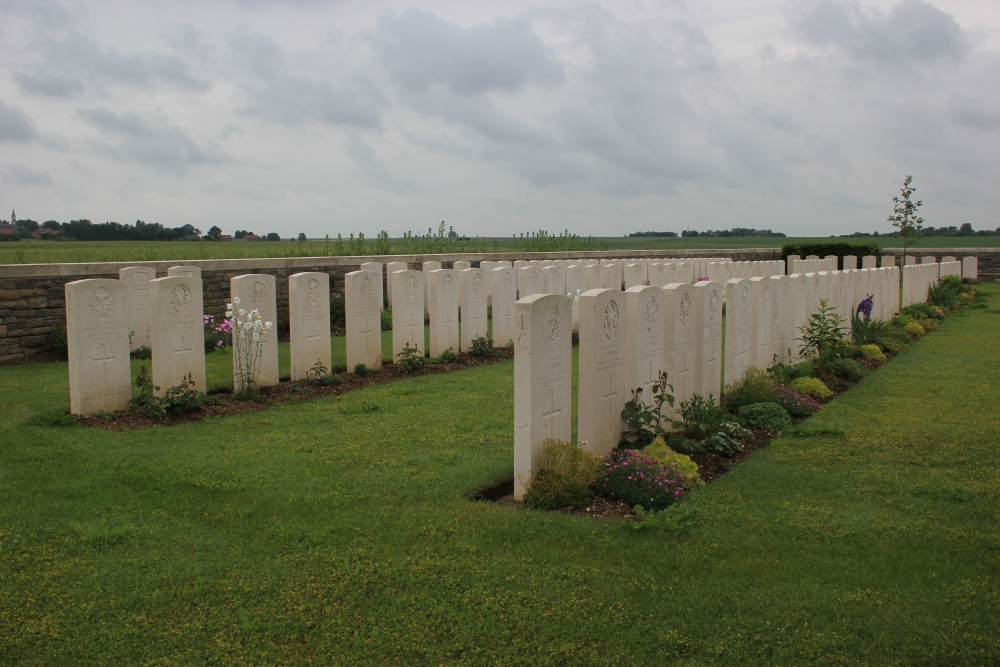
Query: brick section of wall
32, 301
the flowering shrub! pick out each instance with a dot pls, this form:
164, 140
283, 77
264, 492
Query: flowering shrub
812, 387
702, 279
216, 335
796, 404
872, 352
248, 330
849, 369
564, 476
637, 479
680, 462
914, 329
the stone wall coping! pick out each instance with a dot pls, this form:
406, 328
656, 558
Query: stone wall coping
274, 263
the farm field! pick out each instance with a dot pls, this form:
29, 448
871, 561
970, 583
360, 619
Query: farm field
339, 531
44, 252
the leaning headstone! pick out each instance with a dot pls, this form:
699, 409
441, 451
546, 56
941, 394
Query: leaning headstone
970, 268
472, 306
363, 314
390, 269
444, 291
376, 268
407, 311
680, 342
257, 290
602, 369
309, 324
543, 376
643, 338
739, 324
136, 279
184, 272
97, 332
504, 292
178, 333
708, 330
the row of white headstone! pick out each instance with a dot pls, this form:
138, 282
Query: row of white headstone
626, 340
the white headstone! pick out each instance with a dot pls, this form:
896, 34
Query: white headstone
184, 272
850, 262
888, 260
472, 305
970, 268
543, 376
504, 291
376, 268
487, 266
137, 303
739, 329
363, 314
461, 265
444, 291
97, 332
309, 323
427, 268
602, 369
178, 333
680, 342
390, 269
869, 262
407, 311
555, 279
643, 339
708, 335
635, 275
529, 281
928, 259
782, 338
257, 290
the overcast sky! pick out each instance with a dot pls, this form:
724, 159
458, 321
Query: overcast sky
600, 117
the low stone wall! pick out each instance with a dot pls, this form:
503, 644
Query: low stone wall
32, 300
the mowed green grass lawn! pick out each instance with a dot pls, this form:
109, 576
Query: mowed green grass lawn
322, 532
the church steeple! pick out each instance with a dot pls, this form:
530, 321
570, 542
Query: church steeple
13, 217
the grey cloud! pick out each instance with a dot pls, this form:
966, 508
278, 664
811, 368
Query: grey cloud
66, 65
273, 92
15, 124
18, 175
159, 145
974, 115
912, 31
421, 49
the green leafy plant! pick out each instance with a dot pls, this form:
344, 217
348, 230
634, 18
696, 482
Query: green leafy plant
637, 479
822, 333
849, 369
700, 417
921, 311
900, 320
795, 403
410, 358
641, 423
361, 370
482, 348
141, 352
674, 518
812, 387
872, 352
320, 376
386, 319
894, 341
904, 217
682, 463
915, 329
944, 294
177, 400
248, 337
755, 387
58, 342
565, 475
449, 356
768, 416
729, 440
786, 372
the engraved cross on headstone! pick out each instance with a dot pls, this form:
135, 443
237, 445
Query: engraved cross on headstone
551, 412
449, 328
411, 326
647, 386
477, 321
104, 358
608, 397
313, 331
183, 344
683, 375
367, 331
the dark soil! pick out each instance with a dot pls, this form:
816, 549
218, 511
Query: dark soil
289, 391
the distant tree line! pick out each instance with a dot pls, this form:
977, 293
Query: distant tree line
735, 232
965, 230
85, 230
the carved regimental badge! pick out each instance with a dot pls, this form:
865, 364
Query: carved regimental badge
180, 299
257, 293
447, 284
745, 302
366, 288
552, 328
477, 282
532, 278
313, 291
101, 302
713, 305
652, 309
411, 287
508, 281
611, 318
685, 308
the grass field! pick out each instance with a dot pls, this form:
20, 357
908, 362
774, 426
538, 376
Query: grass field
44, 252
319, 533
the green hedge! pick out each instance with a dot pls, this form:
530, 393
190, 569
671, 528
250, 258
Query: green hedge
838, 248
